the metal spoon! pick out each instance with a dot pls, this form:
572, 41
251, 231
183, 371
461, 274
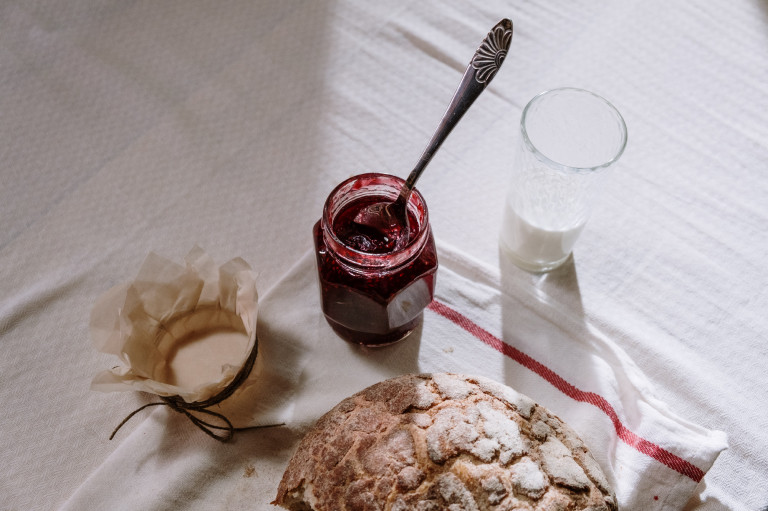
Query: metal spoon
390, 219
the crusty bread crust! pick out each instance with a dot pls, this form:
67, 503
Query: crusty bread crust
433, 442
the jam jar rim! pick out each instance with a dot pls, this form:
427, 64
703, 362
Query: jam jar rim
367, 260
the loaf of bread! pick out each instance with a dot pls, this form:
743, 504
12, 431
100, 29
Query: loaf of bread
434, 442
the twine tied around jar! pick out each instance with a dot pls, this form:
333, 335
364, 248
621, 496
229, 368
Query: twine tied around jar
177, 404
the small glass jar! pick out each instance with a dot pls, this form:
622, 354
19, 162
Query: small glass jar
373, 299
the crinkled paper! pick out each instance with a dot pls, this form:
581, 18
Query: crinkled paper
171, 308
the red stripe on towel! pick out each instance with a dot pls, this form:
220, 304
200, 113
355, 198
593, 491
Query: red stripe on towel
628, 437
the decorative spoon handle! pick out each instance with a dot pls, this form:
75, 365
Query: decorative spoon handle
480, 71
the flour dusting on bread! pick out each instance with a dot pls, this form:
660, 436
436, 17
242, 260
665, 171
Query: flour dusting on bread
442, 441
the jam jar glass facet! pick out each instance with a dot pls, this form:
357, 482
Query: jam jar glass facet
371, 295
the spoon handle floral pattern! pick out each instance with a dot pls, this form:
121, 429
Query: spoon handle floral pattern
492, 51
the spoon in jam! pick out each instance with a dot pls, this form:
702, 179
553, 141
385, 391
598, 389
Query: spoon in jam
389, 220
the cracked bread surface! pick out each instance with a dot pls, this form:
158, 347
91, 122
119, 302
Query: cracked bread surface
442, 441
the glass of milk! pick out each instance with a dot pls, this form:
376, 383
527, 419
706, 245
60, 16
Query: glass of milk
568, 139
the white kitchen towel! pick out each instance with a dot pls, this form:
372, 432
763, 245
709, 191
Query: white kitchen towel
501, 327
478, 324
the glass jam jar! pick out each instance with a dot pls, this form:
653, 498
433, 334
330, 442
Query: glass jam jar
371, 294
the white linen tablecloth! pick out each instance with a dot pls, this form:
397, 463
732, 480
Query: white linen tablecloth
130, 127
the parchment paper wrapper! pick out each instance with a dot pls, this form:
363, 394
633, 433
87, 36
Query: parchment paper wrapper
179, 329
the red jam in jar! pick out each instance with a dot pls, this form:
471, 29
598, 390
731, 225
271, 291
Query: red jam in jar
373, 293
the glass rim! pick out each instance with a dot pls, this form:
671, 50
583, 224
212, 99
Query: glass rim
556, 164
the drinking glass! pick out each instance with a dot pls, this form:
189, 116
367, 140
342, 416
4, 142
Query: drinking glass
568, 138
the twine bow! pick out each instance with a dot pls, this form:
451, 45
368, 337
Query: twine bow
222, 433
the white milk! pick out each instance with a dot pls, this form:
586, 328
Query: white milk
536, 248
